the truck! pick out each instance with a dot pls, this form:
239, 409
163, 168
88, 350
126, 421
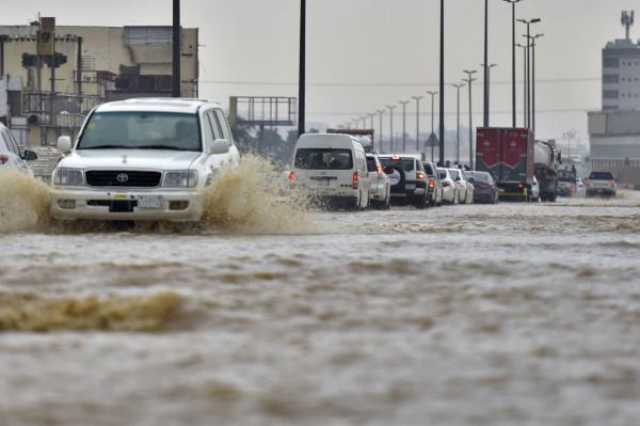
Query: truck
513, 157
546, 160
508, 155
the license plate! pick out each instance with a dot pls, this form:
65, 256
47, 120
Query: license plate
120, 197
150, 202
411, 186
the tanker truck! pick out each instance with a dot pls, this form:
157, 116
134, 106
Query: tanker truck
546, 161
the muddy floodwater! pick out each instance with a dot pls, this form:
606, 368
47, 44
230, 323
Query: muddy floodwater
512, 314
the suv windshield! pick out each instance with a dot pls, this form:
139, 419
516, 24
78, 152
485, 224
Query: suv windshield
429, 169
142, 130
601, 176
324, 159
406, 164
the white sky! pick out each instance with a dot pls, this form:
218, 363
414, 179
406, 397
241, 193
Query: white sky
388, 48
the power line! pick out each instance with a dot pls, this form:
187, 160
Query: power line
572, 80
500, 112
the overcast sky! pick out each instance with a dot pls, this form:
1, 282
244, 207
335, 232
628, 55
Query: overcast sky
365, 54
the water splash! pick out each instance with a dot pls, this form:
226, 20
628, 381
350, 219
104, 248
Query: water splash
24, 202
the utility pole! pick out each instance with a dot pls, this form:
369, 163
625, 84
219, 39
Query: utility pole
404, 124
177, 48
392, 142
372, 116
417, 99
525, 99
442, 83
302, 77
432, 134
514, 96
458, 87
381, 114
469, 80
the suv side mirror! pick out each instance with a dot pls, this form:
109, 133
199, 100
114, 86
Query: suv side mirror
219, 146
28, 155
64, 144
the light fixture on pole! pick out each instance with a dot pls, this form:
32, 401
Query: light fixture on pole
417, 99
458, 87
404, 124
514, 96
432, 134
469, 80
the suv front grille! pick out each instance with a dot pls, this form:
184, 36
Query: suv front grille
124, 179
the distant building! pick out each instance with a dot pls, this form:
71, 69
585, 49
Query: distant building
614, 132
91, 65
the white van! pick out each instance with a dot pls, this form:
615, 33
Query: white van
333, 169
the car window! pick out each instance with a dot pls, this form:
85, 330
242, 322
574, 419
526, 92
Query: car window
371, 164
324, 159
442, 174
406, 164
10, 146
429, 169
601, 176
142, 130
222, 122
455, 174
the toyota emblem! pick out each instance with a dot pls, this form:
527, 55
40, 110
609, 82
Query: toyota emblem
122, 178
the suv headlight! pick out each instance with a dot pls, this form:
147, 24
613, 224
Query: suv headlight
68, 177
181, 179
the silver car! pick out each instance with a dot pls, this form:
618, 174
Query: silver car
11, 157
380, 192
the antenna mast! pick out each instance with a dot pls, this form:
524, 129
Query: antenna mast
628, 20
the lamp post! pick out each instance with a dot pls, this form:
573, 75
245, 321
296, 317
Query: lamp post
392, 141
404, 124
525, 98
458, 87
442, 83
417, 99
486, 64
372, 116
533, 79
177, 79
528, 23
433, 107
302, 76
469, 80
514, 96
381, 114
487, 93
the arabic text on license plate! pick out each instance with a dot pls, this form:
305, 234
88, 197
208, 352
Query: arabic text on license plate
411, 186
150, 202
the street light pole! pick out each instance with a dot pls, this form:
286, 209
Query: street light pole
488, 91
381, 114
486, 63
442, 83
525, 99
458, 87
417, 99
528, 23
372, 116
514, 96
432, 134
392, 141
533, 80
469, 80
177, 79
404, 125
302, 77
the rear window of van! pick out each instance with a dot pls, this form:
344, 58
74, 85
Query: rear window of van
324, 159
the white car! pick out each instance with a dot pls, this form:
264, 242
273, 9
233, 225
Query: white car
380, 183
449, 188
332, 168
535, 191
10, 155
142, 159
465, 189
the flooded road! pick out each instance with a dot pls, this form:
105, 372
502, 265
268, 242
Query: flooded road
467, 315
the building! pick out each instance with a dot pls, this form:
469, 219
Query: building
614, 132
91, 65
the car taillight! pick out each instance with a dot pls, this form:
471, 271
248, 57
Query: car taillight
355, 181
421, 176
4, 159
445, 183
432, 183
292, 178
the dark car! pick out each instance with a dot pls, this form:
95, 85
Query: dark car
434, 186
486, 190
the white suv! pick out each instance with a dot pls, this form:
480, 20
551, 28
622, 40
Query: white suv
142, 159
